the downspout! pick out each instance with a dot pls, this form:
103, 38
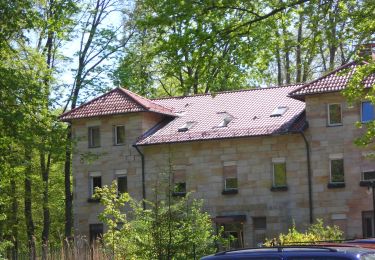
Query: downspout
309, 176
143, 175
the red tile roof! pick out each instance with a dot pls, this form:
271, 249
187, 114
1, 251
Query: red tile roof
116, 101
332, 82
250, 109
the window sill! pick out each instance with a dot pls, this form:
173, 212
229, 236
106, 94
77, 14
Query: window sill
94, 147
335, 185
334, 125
279, 188
178, 194
119, 144
366, 183
228, 192
93, 200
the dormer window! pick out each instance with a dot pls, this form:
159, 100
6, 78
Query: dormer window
279, 111
185, 127
227, 118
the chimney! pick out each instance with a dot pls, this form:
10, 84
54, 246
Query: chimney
367, 51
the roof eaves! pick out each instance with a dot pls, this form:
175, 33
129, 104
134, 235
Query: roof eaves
64, 116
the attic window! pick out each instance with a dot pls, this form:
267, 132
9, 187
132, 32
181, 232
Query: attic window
279, 111
227, 118
185, 127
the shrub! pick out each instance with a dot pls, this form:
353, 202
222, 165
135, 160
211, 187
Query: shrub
315, 233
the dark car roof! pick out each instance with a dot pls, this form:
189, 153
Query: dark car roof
345, 252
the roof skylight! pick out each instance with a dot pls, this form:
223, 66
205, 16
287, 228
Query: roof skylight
279, 111
227, 118
185, 127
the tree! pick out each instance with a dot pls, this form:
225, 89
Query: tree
198, 47
170, 228
99, 42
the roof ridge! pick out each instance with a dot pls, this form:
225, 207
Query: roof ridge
228, 91
320, 78
87, 103
140, 100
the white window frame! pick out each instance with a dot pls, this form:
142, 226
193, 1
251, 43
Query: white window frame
363, 173
334, 157
121, 173
93, 175
329, 117
115, 134
366, 101
90, 137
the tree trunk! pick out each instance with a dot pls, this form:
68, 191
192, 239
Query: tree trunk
279, 67
45, 168
30, 229
68, 192
14, 218
298, 51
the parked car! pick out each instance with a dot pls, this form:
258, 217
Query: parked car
365, 243
297, 253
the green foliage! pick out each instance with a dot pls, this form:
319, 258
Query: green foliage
170, 228
315, 233
187, 47
356, 92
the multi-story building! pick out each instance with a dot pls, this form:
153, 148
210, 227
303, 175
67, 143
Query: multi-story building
260, 158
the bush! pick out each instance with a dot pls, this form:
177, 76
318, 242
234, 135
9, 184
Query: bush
315, 233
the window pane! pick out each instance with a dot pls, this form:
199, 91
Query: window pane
279, 174
120, 134
94, 137
337, 170
96, 182
335, 114
259, 222
368, 176
230, 183
122, 184
180, 187
367, 111
96, 231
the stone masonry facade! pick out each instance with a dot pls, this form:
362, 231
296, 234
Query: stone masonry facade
256, 208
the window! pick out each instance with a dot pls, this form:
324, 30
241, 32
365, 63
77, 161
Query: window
95, 182
334, 114
367, 111
231, 184
96, 232
122, 181
94, 136
337, 170
179, 182
259, 223
122, 184
119, 134
180, 187
279, 173
279, 111
227, 118
230, 178
368, 176
367, 223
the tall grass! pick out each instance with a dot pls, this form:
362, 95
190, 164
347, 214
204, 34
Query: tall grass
77, 249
